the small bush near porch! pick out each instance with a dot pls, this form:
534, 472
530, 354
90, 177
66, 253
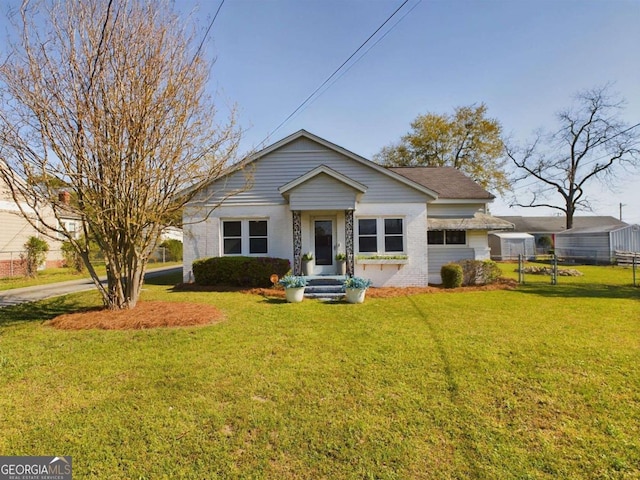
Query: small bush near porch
537, 382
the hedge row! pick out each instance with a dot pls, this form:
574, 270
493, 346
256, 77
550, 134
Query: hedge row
469, 272
239, 271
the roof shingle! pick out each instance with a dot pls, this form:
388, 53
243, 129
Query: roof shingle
448, 182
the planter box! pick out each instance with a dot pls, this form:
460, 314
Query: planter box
382, 261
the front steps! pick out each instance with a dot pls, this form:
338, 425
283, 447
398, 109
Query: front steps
325, 287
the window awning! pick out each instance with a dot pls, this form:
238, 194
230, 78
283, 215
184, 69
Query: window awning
480, 221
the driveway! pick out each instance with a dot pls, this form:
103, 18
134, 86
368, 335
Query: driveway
40, 292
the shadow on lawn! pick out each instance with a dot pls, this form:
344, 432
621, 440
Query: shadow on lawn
582, 291
37, 311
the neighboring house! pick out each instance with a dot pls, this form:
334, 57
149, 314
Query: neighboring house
510, 245
15, 232
598, 244
549, 226
171, 233
397, 226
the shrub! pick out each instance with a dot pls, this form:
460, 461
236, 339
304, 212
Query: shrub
292, 281
357, 282
451, 274
239, 271
72, 258
35, 254
173, 249
479, 272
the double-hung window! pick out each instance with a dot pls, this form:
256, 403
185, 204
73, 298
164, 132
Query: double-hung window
244, 237
380, 235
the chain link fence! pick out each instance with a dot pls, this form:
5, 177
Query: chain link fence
621, 269
12, 263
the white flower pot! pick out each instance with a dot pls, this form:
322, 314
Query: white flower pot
307, 268
355, 295
294, 295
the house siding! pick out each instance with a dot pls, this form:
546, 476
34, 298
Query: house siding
441, 255
312, 195
285, 164
15, 232
452, 210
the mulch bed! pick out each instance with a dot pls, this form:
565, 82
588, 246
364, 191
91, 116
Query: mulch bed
173, 314
144, 315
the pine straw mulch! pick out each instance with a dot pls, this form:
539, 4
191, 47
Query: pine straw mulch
174, 314
373, 292
144, 315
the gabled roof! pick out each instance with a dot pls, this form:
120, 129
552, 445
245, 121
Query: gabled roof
448, 182
322, 169
551, 224
332, 146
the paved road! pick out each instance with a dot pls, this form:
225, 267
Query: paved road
40, 292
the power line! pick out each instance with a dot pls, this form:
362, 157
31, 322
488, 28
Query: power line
344, 72
206, 33
306, 100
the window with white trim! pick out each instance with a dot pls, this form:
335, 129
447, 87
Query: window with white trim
71, 226
381, 235
447, 237
244, 237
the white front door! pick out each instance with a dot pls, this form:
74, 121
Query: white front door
323, 245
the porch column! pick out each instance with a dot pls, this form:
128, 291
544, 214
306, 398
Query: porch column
297, 242
348, 240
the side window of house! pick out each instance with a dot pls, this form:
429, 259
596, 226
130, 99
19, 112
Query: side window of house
244, 237
456, 237
367, 235
380, 235
232, 237
257, 236
393, 235
447, 237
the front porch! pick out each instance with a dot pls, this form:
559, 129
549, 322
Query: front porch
324, 234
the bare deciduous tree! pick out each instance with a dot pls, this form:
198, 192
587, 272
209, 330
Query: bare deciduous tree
108, 98
591, 143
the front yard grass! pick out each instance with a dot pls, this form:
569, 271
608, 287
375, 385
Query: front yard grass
538, 382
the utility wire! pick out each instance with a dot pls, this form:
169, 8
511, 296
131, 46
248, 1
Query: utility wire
206, 33
306, 100
346, 70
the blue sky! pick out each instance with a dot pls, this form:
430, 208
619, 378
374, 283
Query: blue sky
524, 59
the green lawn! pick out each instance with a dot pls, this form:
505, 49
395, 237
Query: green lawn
538, 382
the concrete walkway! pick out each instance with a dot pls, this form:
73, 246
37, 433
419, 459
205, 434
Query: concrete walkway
17, 296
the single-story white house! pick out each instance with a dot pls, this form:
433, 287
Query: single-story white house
396, 226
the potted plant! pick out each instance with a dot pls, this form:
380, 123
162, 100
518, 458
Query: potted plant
293, 288
355, 289
307, 264
341, 259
